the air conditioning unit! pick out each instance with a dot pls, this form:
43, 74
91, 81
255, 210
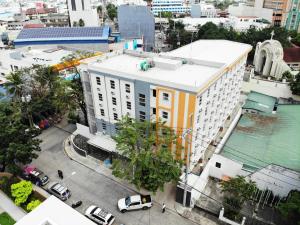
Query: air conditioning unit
114, 109
104, 132
127, 97
112, 93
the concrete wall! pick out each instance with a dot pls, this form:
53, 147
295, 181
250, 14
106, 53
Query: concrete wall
137, 22
243, 10
142, 88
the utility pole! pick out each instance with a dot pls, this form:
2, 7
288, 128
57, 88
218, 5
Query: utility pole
187, 169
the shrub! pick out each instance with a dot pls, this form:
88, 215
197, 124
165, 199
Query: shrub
32, 205
20, 191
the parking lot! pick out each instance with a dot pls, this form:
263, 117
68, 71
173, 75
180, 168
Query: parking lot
93, 188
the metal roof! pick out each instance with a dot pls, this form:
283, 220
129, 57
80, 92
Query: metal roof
64, 33
260, 102
260, 140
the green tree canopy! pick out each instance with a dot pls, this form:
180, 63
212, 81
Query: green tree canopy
17, 145
290, 209
81, 23
295, 85
32, 205
146, 160
21, 191
112, 11
237, 190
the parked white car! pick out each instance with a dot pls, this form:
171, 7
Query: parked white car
99, 216
135, 202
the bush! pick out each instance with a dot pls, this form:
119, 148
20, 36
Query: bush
32, 205
5, 184
21, 191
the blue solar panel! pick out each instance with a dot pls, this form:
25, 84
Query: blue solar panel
63, 32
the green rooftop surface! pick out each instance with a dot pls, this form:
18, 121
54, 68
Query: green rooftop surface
260, 102
259, 140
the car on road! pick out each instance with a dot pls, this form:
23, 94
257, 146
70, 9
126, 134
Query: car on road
135, 202
59, 191
35, 175
99, 216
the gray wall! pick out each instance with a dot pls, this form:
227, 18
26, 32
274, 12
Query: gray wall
141, 87
135, 22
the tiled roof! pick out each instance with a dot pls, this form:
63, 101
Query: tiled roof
291, 54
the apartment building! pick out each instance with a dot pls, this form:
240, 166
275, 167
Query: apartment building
293, 15
173, 6
193, 87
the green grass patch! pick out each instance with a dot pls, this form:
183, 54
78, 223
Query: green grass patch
5, 219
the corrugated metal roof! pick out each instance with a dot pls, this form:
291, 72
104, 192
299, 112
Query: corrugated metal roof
259, 140
260, 102
64, 33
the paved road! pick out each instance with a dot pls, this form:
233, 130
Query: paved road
94, 188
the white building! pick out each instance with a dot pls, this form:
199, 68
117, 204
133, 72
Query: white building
54, 212
81, 9
257, 10
243, 23
11, 60
203, 10
196, 86
173, 6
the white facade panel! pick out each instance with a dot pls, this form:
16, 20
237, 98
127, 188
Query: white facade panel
127, 98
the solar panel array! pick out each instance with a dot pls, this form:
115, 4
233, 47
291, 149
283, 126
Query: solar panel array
61, 32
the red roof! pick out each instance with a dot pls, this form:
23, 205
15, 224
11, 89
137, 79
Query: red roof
291, 54
33, 11
39, 25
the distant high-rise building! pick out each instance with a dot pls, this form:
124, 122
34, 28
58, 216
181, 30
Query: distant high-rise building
292, 21
82, 10
139, 26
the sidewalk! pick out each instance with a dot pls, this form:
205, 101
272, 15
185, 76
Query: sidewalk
8, 206
167, 197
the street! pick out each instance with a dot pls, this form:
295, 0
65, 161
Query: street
93, 188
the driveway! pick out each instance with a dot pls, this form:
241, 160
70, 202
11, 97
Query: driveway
93, 188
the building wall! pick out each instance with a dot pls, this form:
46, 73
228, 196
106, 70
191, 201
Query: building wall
279, 10
174, 6
243, 10
292, 21
141, 25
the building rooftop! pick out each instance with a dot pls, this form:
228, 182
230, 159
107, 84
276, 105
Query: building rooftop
188, 68
260, 140
260, 102
63, 33
54, 212
291, 54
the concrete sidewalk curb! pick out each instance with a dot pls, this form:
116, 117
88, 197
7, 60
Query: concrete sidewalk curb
69, 152
8, 206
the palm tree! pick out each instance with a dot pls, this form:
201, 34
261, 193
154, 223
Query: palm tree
15, 84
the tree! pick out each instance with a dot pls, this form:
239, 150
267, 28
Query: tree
290, 209
288, 76
17, 145
237, 190
111, 11
99, 9
295, 85
32, 205
166, 15
145, 154
81, 23
21, 191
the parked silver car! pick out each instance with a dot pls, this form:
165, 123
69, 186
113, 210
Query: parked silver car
59, 191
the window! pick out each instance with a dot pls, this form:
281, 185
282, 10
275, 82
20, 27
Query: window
200, 100
82, 4
112, 84
100, 97
114, 101
142, 99
165, 115
142, 116
104, 126
73, 5
218, 165
98, 80
154, 111
127, 88
208, 92
128, 105
115, 116
102, 112
154, 93
165, 96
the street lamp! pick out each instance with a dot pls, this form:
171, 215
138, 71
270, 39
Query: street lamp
26, 100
